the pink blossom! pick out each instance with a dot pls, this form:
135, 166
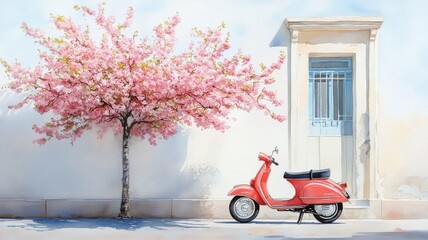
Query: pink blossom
40, 141
88, 10
142, 82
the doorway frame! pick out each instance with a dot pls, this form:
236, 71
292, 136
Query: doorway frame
355, 37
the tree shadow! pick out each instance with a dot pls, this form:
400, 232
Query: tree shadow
166, 163
51, 224
91, 168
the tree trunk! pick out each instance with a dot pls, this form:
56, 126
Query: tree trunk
125, 205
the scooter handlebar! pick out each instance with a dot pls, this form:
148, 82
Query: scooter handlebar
274, 162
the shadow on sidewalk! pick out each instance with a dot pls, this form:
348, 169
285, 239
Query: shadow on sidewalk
409, 235
393, 235
279, 222
44, 224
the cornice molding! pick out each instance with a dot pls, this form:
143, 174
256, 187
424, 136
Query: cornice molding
334, 23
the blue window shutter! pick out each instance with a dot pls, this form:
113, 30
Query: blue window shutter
330, 96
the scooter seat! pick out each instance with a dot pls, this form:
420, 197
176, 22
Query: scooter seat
312, 174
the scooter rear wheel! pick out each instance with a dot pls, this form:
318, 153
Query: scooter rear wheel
243, 209
330, 214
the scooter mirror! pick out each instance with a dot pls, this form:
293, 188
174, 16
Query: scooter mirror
275, 151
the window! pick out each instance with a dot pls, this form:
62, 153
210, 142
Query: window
330, 96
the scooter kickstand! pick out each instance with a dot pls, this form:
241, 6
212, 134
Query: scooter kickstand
300, 217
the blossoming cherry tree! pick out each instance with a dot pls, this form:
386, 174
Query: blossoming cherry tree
139, 87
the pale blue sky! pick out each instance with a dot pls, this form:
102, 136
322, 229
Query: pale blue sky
242, 16
402, 54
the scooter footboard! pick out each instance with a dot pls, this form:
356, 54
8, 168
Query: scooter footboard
322, 193
246, 190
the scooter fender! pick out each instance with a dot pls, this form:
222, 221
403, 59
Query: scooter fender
322, 192
246, 190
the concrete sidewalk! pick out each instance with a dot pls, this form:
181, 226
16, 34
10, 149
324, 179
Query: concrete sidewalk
109, 229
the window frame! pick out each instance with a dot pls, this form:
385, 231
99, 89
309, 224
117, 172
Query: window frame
322, 119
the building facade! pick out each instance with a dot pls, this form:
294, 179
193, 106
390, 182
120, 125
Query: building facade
354, 94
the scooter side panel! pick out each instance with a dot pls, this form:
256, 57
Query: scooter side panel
322, 192
246, 190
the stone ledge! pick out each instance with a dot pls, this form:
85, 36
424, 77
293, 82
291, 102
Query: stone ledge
195, 208
151, 208
18, 208
404, 209
81, 208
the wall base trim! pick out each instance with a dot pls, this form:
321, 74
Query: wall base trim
195, 208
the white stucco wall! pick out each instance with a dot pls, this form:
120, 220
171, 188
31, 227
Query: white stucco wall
206, 164
192, 164
403, 111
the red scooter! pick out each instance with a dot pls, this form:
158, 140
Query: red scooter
315, 194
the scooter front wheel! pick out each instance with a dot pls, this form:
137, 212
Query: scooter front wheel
328, 213
243, 209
